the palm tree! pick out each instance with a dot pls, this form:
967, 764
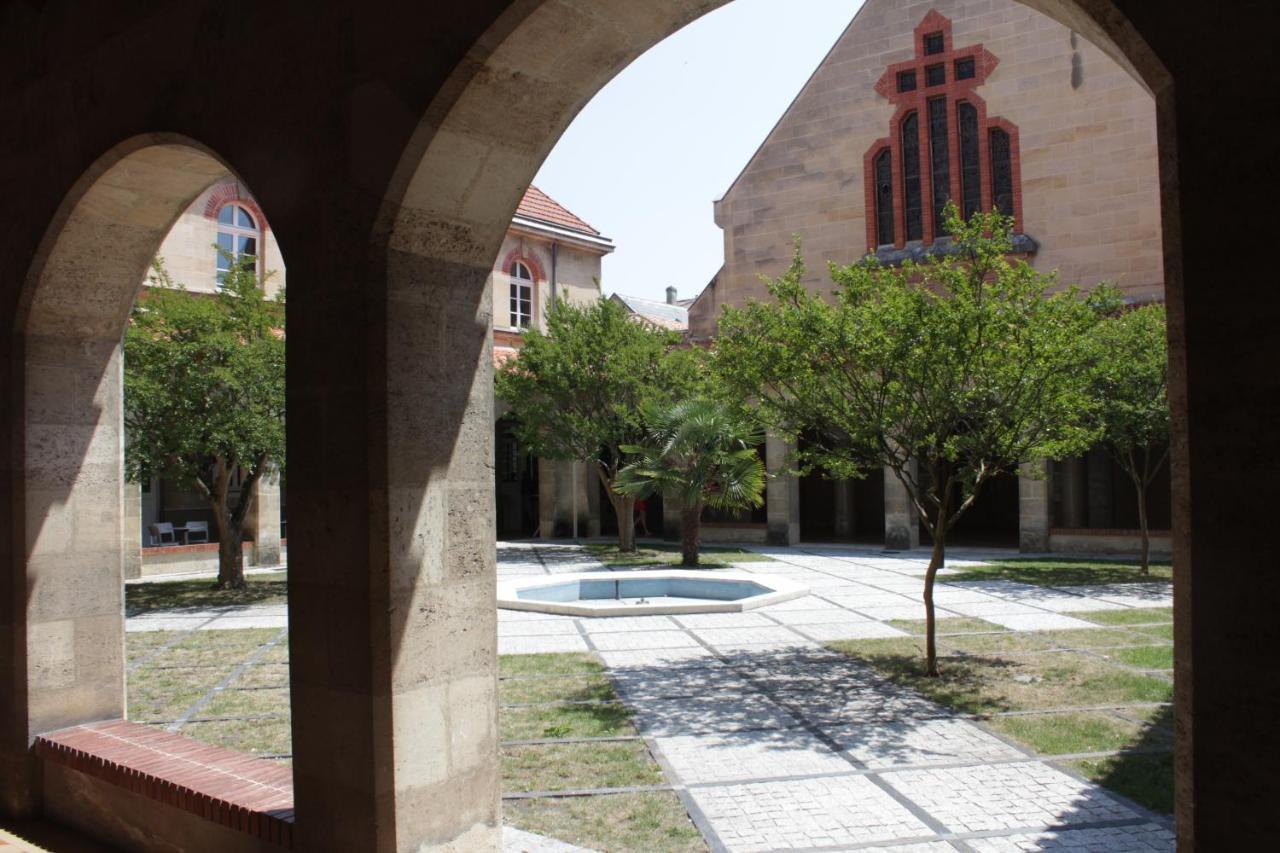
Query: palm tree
699, 452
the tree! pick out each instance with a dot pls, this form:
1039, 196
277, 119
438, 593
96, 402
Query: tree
204, 395
948, 372
1131, 387
699, 452
578, 390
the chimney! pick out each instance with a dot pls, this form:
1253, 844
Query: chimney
671, 296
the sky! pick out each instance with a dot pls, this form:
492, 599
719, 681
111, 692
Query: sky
646, 158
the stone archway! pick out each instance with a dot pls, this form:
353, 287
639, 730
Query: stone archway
71, 439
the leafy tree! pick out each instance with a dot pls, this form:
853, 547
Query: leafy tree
578, 391
205, 395
1131, 388
948, 372
698, 452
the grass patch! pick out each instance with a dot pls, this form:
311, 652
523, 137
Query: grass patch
1137, 616
1145, 657
621, 822
709, 556
962, 625
984, 644
1159, 632
572, 688
1092, 638
548, 664
1067, 733
1062, 572
235, 703
557, 721
265, 588
143, 643
1146, 779
268, 736
565, 766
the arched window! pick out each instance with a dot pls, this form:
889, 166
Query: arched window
912, 205
970, 162
521, 295
884, 197
939, 162
1001, 171
237, 238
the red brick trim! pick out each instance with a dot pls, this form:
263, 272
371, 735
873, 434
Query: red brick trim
917, 100
232, 191
198, 548
238, 791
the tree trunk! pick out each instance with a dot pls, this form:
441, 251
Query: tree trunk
230, 556
690, 529
1142, 526
624, 509
930, 575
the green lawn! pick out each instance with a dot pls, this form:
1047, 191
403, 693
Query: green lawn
537, 694
1061, 679
710, 556
265, 588
1062, 572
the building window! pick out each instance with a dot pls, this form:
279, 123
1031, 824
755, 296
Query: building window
939, 161
970, 161
912, 202
971, 157
521, 295
884, 197
1001, 171
237, 238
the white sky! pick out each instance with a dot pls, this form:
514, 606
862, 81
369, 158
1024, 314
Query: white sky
646, 158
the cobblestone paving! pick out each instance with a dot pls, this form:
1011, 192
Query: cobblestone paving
775, 743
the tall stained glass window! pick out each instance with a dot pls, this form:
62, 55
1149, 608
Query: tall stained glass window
912, 204
884, 197
939, 161
1001, 171
970, 162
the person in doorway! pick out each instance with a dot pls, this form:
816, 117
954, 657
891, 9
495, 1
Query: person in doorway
642, 517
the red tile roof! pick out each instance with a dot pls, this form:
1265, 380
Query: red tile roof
538, 205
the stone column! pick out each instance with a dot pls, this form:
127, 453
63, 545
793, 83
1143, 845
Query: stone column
591, 484
782, 499
264, 520
131, 537
546, 498
1033, 506
393, 629
844, 509
901, 521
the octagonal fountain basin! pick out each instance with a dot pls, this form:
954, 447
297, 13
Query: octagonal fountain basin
655, 592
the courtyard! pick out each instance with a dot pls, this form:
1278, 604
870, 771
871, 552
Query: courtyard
803, 725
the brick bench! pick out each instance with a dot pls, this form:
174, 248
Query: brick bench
238, 791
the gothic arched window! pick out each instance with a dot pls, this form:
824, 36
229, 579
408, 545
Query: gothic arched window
911, 197
1001, 171
884, 197
970, 161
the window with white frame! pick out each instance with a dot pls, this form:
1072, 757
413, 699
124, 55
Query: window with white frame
521, 295
237, 238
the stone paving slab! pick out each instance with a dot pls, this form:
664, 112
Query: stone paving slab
1140, 838
1006, 796
1038, 621
641, 640
618, 624
518, 841
747, 756
824, 812
667, 717
847, 630
531, 628
540, 645
917, 742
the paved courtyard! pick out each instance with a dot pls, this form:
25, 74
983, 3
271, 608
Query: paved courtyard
774, 742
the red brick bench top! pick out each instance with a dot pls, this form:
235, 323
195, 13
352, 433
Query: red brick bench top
239, 791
